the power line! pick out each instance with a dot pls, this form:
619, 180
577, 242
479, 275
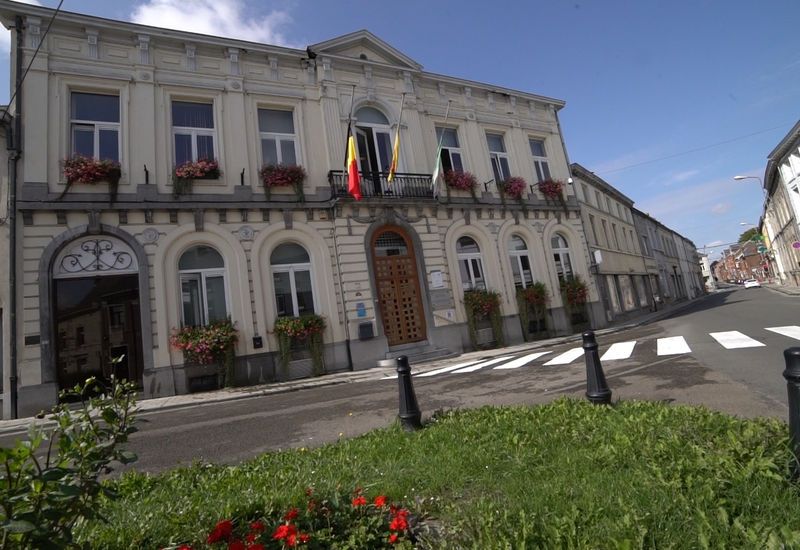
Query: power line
19, 86
703, 148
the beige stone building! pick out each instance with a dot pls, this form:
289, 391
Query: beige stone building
618, 262
101, 275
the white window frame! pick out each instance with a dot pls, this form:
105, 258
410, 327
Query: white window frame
96, 125
451, 150
540, 163
467, 258
291, 269
495, 156
202, 275
278, 137
593, 230
193, 131
376, 129
516, 256
558, 257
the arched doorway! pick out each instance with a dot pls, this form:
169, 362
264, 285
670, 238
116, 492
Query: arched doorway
397, 284
96, 311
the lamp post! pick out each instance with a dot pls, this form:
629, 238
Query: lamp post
760, 183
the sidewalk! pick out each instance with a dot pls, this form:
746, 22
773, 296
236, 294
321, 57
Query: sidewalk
783, 289
230, 394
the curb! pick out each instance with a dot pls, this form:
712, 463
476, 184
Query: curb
21, 425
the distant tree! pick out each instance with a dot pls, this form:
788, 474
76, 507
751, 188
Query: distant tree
747, 235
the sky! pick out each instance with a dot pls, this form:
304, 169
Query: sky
665, 100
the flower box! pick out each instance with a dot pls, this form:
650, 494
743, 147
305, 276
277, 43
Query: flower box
482, 306
514, 187
283, 175
90, 171
303, 332
532, 307
209, 344
460, 181
183, 175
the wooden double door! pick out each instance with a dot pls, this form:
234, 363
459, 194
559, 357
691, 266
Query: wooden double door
397, 283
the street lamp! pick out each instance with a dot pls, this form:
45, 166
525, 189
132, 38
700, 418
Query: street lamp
760, 183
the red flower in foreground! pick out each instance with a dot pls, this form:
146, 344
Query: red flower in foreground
380, 501
257, 526
284, 532
393, 538
359, 501
184, 547
291, 514
291, 540
399, 521
256, 547
304, 538
222, 531
236, 545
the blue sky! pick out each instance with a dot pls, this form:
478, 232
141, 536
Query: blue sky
666, 100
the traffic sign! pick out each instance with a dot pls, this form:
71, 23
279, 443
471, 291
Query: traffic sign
796, 244
762, 249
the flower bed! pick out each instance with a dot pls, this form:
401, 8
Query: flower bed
306, 331
514, 187
344, 521
461, 181
482, 305
283, 175
183, 175
90, 171
204, 345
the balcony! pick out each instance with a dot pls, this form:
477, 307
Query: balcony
374, 185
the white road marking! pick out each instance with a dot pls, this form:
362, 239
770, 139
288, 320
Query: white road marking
792, 331
566, 357
522, 361
450, 368
620, 350
733, 339
673, 345
483, 364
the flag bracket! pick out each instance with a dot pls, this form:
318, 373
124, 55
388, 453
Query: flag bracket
486, 185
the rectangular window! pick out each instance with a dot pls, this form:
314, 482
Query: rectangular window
193, 131
645, 247
605, 233
451, 149
278, 140
593, 230
540, 163
498, 157
612, 293
614, 234
94, 125
586, 198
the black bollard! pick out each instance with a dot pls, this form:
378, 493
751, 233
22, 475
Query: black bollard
792, 375
410, 415
597, 390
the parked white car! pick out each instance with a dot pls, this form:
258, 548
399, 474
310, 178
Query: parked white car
751, 283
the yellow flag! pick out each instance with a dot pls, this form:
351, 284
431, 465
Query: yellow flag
395, 155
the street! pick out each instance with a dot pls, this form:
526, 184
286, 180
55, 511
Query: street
724, 351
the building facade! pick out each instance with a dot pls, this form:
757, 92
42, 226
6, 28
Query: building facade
782, 209
619, 265
110, 270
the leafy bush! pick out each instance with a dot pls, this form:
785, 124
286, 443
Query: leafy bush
480, 305
46, 492
304, 330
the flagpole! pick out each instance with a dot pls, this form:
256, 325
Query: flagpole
349, 123
396, 148
438, 160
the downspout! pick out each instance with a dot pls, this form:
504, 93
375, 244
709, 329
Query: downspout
341, 288
12, 220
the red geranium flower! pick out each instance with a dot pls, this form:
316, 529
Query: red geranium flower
284, 531
291, 540
304, 538
258, 546
359, 501
222, 531
380, 501
393, 538
257, 526
236, 545
291, 514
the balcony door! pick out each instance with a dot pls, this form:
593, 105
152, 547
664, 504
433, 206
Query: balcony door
374, 146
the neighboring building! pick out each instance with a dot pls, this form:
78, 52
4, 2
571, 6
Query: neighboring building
706, 272
619, 266
782, 208
742, 261
101, 275
689, 276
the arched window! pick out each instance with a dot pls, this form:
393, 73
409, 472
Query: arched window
291, 278
561, 257
470, 264
203, 295
520, 262
374, 142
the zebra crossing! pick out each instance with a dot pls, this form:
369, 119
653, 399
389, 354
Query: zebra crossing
619, 351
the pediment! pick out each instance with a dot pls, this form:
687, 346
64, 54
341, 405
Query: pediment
365, 45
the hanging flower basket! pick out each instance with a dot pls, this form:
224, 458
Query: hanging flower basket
205, 345
305, 331
514, 187
90, 171
283, 175
462, 181
552, 189
532, 299
183, 175
575, 292
481, 305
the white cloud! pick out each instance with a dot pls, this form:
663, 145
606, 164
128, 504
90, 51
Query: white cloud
5, 36
228, 18
721, 208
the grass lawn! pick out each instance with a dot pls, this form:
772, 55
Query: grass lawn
567, 475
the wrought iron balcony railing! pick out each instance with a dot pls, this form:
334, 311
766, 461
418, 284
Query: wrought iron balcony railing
376, 185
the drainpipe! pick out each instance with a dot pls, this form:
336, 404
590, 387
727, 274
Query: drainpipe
341, 288
12, 221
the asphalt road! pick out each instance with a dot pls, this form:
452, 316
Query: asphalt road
745, 381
